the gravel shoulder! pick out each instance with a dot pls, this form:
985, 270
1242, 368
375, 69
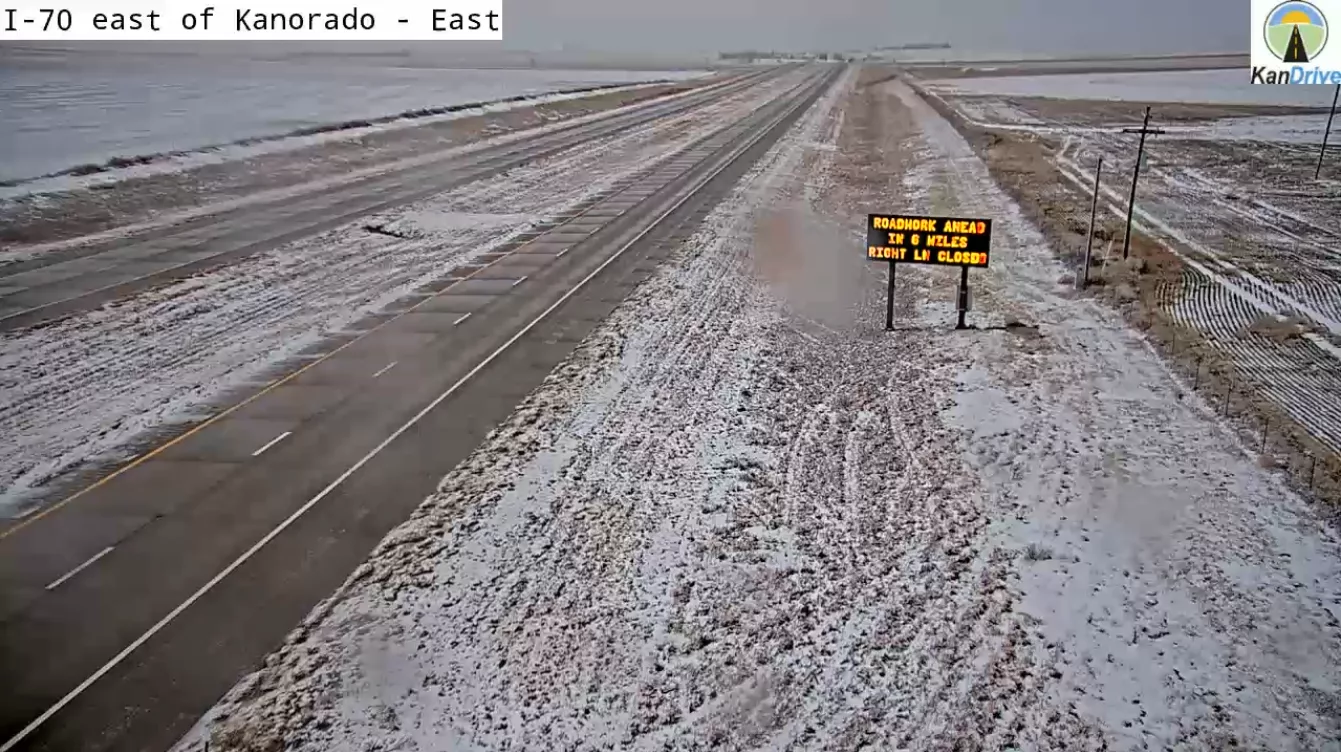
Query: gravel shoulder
743, 516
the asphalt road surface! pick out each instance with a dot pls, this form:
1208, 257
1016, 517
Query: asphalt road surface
130, 609
79, 277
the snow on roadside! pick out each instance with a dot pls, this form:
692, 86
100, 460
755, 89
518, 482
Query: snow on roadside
84, 388
712, 541
712, 326
427, 222
743, 516
1255, 247
1195, 600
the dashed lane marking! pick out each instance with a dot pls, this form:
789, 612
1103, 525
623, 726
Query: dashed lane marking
271, 443
62, 579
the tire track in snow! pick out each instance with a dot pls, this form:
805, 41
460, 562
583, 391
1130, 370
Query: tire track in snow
1191, 597
644, 558
1291, 371
622, 564
1249, 285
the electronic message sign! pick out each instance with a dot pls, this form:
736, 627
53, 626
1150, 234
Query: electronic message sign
939, 241
944, 241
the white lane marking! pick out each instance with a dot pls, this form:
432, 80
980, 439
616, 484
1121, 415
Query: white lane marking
560, 253
271, 443
458, 321
80, 568
518, 282
300, 511
385, 368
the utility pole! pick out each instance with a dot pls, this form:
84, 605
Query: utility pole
1144, 130
1327, 132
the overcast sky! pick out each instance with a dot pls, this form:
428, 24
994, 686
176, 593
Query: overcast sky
1034, 26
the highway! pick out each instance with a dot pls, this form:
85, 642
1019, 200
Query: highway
84, 275
131, 607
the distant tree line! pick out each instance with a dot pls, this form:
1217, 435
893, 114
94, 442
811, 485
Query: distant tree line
748, 55
920, 46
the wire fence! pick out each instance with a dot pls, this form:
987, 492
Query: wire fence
1280, 442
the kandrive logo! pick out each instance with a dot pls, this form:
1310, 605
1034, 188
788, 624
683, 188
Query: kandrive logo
1290, 43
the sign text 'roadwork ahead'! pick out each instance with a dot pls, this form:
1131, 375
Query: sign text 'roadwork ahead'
947, 241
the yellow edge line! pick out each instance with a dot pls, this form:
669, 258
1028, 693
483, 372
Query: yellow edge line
140, 460
143, 458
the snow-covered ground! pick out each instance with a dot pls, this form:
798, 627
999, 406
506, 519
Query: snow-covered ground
1289, 129
1225, 86
1257, 252
187, 160
306, 171
61, 112
85, 388
1235, 199
745, 517
1192, 600
999, 113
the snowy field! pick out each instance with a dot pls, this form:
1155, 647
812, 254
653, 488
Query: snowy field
62, 112
742, 516
1227, 86
34, 189
1004, 113
1263, 260
1236, 200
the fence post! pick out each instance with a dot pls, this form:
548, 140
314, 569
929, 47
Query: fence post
1089, 240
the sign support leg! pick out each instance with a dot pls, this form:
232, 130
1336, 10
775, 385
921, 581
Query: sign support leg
889, 299
963, 296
